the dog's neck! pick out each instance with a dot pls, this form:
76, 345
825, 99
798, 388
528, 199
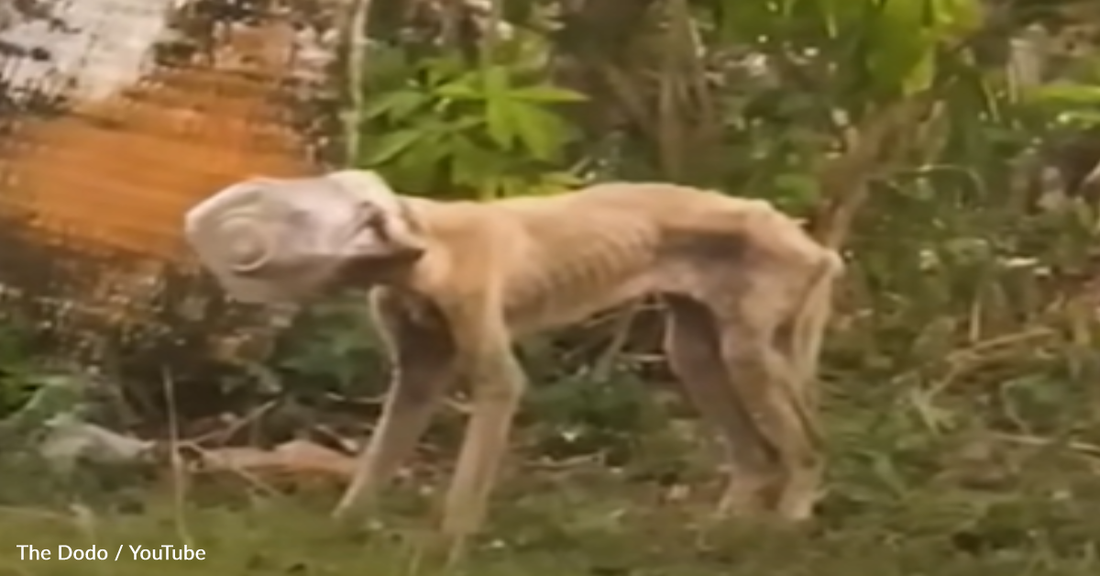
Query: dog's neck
415, 272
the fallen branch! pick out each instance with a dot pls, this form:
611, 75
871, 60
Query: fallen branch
297, 457
220, 436
1092, 451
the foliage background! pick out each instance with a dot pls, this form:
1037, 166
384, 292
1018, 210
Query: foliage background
930, 140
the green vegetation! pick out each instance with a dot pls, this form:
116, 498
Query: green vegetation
1042, 520
960, 375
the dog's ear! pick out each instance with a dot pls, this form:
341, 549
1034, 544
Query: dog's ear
388, 230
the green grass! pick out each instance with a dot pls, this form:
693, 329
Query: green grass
902, 501
590, 521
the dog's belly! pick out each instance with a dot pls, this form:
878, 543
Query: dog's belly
562, 308
576, 271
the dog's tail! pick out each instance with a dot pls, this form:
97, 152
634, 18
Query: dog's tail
807, 335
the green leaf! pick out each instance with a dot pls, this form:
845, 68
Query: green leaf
460, 89
921, 75
901, 52
391, 146
801, 188
395, 106
547, 93
472, 164
829, 17
464, 124
552, 183
490, 187
498, 106
428, 153
509, 187
420, 165
541, 132
496, 82
499, 122
1082, 118
1065, 93
443, 69
957, 17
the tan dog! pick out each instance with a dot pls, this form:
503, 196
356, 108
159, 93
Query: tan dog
453, 283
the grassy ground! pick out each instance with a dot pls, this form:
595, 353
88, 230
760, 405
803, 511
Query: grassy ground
902, 501
585, 521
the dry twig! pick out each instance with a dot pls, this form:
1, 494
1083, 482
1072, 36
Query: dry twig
179, 495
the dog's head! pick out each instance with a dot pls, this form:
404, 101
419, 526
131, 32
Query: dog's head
271, 240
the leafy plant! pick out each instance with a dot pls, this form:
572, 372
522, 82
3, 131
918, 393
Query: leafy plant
474, 131
331, 347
